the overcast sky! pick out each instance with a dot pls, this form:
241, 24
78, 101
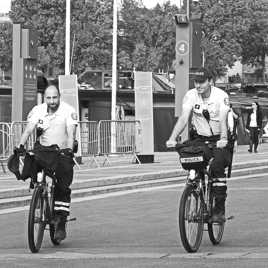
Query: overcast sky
5, 4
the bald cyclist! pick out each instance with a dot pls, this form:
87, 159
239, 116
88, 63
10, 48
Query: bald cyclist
57, 121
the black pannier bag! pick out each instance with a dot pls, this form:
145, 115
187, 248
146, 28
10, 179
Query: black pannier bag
193, 155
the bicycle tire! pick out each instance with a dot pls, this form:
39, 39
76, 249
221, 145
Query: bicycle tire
36, 222
195, 216
52, 224
215, 230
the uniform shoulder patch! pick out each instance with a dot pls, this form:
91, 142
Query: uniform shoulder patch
74, 116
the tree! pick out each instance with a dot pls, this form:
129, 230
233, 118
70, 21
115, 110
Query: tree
5, 46
47, 18
228, 26
254, 42
149, 35
91, 24
146, 37
222, 23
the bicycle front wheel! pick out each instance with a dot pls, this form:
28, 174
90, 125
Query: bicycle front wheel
215, 229
191, 219
52, 223
36, 220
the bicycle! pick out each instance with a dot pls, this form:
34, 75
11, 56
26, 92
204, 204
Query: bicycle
196, 204
41, 212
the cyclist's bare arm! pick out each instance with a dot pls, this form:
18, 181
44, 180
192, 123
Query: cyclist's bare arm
27, 132
71, 132
179, 127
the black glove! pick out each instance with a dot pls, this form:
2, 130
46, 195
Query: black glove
68, 152
75, 146
20, 150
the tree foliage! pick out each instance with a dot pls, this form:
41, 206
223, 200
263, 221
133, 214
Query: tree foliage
227, 27
254, 42
231, 29
149, 34
91, 24
5, 46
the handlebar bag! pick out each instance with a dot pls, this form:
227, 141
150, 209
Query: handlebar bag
193, 156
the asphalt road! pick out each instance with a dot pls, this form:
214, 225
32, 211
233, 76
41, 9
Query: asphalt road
140, 230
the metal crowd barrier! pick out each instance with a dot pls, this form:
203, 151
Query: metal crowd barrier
118, 137
103, 138
89, 139
5, 144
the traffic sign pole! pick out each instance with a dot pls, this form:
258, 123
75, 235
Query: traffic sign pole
182, 64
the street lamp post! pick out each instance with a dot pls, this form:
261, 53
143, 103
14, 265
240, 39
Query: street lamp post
114, 77
67, 37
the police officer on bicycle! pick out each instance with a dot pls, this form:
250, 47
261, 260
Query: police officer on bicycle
56, 121
207, 106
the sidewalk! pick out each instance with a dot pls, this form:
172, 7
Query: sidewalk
166, 164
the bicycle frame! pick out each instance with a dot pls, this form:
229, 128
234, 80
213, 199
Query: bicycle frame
47, 191
202, 180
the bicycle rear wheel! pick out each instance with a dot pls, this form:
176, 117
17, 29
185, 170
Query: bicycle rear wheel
215, 229
36, 220
191, 219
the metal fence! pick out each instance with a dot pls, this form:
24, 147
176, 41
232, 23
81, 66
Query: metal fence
117, 137
102, 138
5, 143
107, 137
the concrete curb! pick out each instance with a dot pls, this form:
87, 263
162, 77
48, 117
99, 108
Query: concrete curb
248, 168
22, 196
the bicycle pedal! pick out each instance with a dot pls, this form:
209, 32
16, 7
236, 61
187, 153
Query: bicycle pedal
72, 219
230, 218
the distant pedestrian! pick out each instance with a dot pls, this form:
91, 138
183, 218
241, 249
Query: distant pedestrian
254, 126
233, 120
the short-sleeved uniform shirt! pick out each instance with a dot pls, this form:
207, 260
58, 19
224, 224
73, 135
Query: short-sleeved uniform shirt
217, 101
55, 125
